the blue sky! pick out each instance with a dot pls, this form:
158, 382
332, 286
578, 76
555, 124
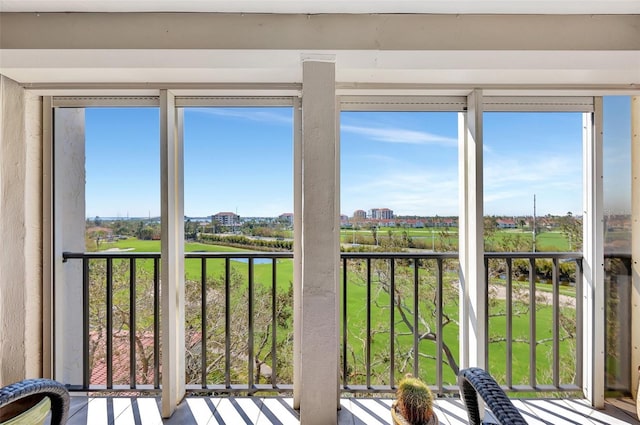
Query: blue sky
241, 160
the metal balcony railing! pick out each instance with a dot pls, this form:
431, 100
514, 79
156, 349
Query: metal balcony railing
128, 327
399, 314
539, 292
394, 319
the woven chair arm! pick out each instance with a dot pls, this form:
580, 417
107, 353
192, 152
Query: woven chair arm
56, 392
475, 381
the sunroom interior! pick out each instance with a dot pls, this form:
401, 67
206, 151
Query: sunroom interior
320, 59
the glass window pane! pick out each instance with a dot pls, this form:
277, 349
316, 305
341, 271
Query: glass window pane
122, 190
617, 245
238, 197
399, 193
533, 198
533, 173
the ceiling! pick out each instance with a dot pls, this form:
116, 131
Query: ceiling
330, 6
142, 55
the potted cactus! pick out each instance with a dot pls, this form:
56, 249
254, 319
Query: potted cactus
414, 403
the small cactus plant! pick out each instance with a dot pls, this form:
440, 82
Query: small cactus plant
414, 401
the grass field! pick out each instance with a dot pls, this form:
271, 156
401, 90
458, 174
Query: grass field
380, 342
434, 238
215, 267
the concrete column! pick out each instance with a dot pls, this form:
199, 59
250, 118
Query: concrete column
635, 241
593, 258
68, 230
172, 247
20, 263
473, 292
320, 245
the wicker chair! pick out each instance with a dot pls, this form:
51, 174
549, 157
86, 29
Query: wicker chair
26, 402
475, 381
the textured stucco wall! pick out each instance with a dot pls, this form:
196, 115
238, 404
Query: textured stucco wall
20, 264
33, 235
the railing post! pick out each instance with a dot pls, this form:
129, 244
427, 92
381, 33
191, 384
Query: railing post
473, 289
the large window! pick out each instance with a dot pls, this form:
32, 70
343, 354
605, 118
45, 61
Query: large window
399, 194
122, 197
238, 197
533, 202
401, 165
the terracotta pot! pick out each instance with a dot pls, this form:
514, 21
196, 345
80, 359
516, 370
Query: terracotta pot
398, 419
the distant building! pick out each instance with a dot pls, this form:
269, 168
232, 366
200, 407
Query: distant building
444, 222
506, 223
226, 218
359, 215
386, 223
381, 214
288, 217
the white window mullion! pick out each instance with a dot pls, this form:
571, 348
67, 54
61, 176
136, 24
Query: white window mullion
48, 241
473, 291
463, 240
593, 262
172, 252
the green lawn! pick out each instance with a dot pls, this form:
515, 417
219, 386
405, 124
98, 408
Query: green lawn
154, 246
380, 341
434, 237
215, 267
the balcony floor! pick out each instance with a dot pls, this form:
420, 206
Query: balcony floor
355, 411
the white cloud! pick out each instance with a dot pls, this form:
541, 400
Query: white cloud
510, 183
398, 135
541, 169
406, 193
253, 114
